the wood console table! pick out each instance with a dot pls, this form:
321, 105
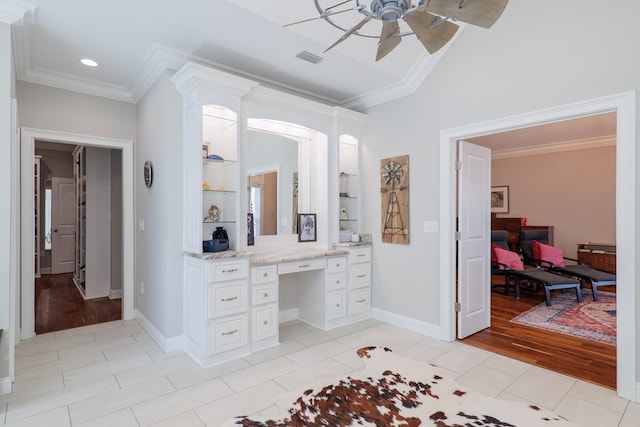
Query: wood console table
601, 256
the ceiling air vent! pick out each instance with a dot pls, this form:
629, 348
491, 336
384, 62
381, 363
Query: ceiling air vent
309, 57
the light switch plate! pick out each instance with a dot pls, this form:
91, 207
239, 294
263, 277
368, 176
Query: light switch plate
431, 227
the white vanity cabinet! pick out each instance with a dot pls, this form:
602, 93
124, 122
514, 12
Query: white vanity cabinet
322, 297
359, 283
264, 306
216, 309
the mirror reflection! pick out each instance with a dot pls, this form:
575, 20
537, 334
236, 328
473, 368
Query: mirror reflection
272, 165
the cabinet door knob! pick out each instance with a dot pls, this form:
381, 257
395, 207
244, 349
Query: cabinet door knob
266, 294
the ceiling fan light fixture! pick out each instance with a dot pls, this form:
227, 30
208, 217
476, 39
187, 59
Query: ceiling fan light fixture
389, 10
432, 22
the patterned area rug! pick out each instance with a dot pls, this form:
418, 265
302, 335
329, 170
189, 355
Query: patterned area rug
588, 319
396, 391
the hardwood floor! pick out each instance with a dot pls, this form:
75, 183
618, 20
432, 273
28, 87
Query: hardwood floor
60, 306
584, 359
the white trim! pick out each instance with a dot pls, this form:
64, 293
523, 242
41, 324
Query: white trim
288, 315
28, 138
624, 105
115, 293
428, 329
556, 147
166, 344
5, 385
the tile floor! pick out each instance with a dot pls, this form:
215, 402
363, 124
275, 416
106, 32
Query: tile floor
113, 374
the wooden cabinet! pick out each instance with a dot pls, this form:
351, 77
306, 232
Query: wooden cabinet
359, 283
601, 256
36, 214
264, 307
216, 317
92, 178
349, 214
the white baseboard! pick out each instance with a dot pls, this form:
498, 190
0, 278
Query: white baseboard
115, 293
45, 270
5, 385
428, 329
166, 344
288, 315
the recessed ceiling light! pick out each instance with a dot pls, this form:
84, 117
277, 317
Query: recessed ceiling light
89, 62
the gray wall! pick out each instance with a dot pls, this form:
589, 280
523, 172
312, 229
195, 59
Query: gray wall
530, 60
159, 246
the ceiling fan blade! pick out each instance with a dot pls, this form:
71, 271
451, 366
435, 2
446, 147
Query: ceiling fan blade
432, 34
349, 32
387, 42
483, 13
327, 13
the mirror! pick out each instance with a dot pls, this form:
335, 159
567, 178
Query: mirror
277, 168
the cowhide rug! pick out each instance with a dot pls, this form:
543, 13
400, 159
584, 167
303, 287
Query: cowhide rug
396, 391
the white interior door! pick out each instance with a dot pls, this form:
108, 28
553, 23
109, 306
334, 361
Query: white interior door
63, 229
474, 226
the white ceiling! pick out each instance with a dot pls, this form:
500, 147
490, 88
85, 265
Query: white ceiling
132, 39
135, 40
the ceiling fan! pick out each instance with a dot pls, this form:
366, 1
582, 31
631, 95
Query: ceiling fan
431, 21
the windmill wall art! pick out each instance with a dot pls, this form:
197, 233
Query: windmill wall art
394, 195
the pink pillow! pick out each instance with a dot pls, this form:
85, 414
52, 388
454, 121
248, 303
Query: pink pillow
493, 253
547, 253
509, 258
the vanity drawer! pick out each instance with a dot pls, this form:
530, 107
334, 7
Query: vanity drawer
228, 333
359, 275
303, 265
228, 270
264, 294
360, 255
336, 281
264, 322
264, 274
359, 301
336, 265
229, 298
336, 305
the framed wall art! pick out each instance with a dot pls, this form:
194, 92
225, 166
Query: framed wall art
307, 227
500, 199
394, 199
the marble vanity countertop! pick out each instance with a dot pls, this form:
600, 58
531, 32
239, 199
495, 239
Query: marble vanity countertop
351, 244
275, 257
219, 255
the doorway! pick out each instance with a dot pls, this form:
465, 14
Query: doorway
81, 270
624, 107
28, 138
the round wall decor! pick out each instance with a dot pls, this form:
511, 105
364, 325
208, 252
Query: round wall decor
148, 173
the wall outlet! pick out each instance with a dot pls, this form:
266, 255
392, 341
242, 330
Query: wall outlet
142, 287
141, 224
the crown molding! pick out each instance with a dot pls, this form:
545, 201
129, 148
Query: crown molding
161, 58
12, 11
412, 80
556, 147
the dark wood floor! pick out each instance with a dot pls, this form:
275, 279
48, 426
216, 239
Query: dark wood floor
584, 359
60, 306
